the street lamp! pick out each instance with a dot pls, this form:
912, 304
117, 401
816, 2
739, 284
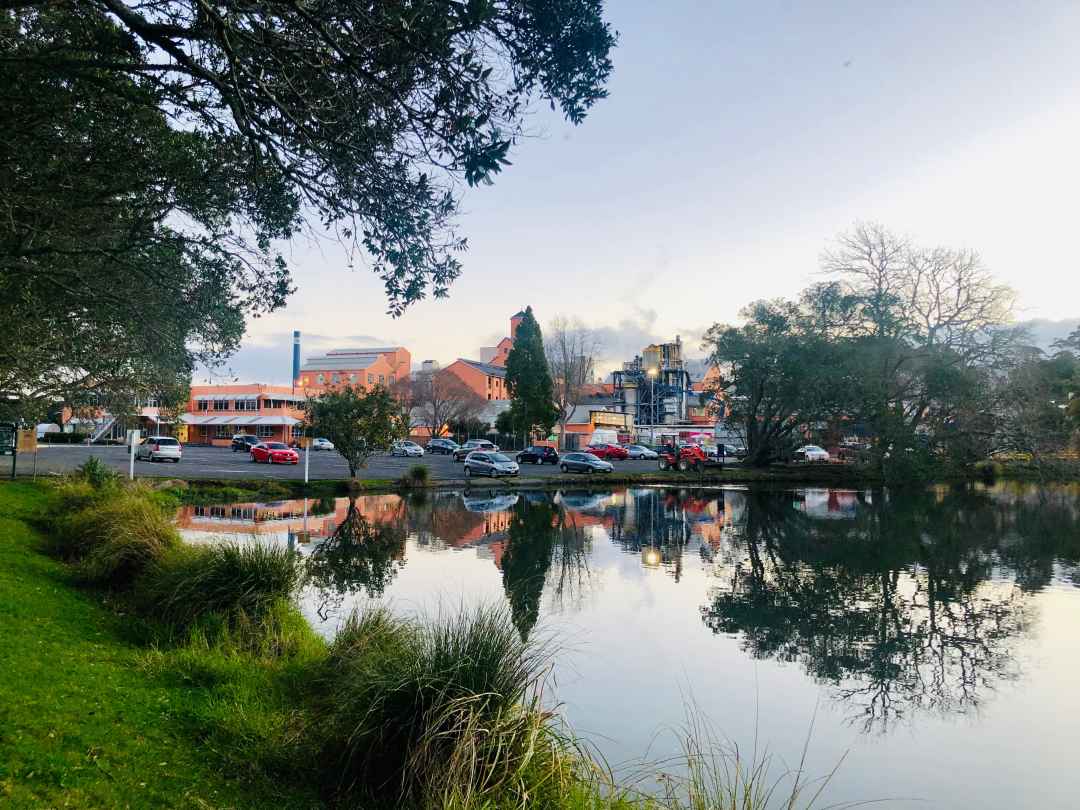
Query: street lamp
652, 372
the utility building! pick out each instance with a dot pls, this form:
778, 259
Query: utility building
654, 387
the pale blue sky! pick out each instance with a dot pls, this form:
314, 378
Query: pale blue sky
738, 139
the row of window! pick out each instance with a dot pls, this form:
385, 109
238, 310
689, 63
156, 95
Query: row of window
240, 404
351, 379
262, 431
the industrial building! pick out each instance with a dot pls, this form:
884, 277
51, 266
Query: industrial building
654, 387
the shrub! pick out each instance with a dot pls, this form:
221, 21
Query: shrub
987, 470
97, 474
113, 539
238, 583
438, 714
416, 476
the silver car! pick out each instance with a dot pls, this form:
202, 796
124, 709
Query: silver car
406, 448
640, 451
491, 464
322, 444
159, 448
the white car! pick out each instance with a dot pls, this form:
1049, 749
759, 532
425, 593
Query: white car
811, 452
322, 444
641, 451
492, 464
406, 448
159, 448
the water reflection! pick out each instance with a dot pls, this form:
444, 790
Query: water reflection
897, 604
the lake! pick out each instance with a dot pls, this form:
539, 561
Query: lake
929, 639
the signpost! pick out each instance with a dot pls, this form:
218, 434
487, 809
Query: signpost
133, 439
7, 442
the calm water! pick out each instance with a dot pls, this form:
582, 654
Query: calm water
935, 635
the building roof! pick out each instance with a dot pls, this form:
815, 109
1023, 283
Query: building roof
348, 359
487, 368
238, 421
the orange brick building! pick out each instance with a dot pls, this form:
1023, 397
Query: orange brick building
486, 380
355, 367
496, 355
215, 413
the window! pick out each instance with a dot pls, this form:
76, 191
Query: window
222, 405
247, 405
391, 379
202, 405
352, 378
266, 431
370, 379
382, 379
322, 379
336, 378
297, 431
224, 431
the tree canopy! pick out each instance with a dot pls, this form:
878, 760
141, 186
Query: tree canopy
532, 396
357, 421
154, 153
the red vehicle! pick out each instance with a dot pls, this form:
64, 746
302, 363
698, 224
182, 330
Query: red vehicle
608, 451
686, 457
274, 453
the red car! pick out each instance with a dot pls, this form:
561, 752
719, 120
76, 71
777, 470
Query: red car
274, 453
608, 451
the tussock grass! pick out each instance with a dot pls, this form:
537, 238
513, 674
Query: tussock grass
443, 713
113, 538
231, 579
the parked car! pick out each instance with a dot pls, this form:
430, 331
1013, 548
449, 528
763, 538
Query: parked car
584, 463
274, 453
538, 455
474, 444
480, 462
442, 447
607, 451
811, 452
640, 451
406, 448
243, 442
322, 444
731, 452
159, 448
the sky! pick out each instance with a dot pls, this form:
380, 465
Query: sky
738, 140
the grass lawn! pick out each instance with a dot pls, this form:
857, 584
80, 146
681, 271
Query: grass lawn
91, 717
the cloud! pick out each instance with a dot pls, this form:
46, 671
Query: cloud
268, 358
1044, 332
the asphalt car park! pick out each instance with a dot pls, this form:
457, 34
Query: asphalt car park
221, 463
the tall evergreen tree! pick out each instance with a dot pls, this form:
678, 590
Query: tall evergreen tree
532, 395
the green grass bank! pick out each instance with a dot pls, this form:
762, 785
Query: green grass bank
138, 671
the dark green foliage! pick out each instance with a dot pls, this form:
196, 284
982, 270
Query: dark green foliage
97, 474
781, 372
359, 422
152, 155
532, 406
237, 582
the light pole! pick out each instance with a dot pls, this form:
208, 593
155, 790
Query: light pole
652, 372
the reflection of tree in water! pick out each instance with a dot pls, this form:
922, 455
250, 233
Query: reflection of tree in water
895, 608
546, 545
359, 556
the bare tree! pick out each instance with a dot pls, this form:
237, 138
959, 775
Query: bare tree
440, 397
571, 349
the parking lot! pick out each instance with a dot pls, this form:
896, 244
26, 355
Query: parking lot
223, 464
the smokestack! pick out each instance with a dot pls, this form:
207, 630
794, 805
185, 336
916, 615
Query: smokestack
295, 356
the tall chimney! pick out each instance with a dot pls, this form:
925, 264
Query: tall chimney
295, 356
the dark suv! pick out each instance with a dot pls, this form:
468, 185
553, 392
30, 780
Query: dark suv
538, 455
242, 442
442, 446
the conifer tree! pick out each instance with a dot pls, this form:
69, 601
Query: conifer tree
532, 396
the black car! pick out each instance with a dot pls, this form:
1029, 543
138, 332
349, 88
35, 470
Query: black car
442, 447
243, 442
538, 455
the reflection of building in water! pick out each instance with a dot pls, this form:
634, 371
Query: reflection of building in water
828, 503
285, 517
